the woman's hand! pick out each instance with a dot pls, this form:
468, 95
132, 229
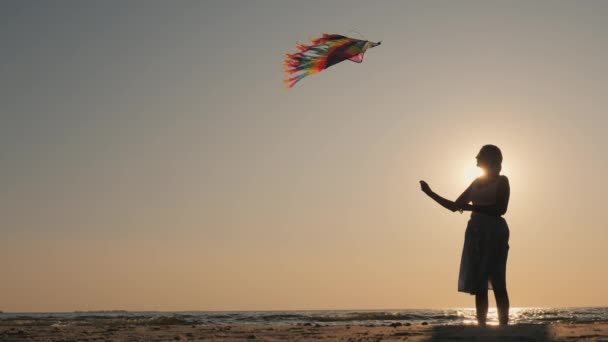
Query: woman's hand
425, 188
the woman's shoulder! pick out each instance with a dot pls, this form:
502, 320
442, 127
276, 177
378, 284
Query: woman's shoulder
481, 180
503, 183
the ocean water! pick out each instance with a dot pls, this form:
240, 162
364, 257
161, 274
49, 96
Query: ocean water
451, 316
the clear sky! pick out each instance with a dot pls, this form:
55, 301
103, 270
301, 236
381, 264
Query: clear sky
151, 159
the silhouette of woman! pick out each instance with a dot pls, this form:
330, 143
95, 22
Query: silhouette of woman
486, 244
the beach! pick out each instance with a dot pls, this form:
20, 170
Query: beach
112, 330
451, 324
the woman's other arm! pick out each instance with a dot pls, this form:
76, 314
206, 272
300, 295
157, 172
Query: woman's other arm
503, 192
464, 198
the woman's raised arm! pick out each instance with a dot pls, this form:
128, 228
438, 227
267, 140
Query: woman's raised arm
449, 205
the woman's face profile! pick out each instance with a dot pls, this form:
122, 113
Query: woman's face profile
482, 161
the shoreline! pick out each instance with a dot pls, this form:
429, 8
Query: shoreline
113, 330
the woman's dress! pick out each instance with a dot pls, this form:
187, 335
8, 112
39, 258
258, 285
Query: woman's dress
486, 245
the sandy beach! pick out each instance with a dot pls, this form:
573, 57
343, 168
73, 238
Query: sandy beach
109, 330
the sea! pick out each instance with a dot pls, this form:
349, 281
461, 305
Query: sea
450, 316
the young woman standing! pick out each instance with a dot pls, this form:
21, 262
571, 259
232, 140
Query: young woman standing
486, 245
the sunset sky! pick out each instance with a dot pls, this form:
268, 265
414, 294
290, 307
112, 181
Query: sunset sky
151, 159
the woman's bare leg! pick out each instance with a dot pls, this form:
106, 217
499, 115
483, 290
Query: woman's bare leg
502, 305
481, 304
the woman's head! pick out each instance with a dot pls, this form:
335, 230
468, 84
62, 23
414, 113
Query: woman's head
489, 159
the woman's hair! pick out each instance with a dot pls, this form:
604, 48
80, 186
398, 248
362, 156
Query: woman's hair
493, 156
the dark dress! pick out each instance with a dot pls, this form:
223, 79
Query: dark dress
486, 246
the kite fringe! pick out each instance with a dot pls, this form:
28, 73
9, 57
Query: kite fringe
310, 59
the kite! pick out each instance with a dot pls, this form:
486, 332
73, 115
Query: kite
324, 52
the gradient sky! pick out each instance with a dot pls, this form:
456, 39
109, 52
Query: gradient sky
151, 159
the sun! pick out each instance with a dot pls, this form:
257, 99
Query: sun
470, 172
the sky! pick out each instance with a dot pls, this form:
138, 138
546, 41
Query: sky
152, 160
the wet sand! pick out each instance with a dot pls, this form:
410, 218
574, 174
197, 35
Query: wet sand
109, 330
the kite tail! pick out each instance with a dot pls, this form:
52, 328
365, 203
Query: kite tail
310, 59
299, 65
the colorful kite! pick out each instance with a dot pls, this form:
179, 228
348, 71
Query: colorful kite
324, 52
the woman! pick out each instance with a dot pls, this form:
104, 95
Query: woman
486, 245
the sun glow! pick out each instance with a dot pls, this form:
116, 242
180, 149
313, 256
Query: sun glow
470, 172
